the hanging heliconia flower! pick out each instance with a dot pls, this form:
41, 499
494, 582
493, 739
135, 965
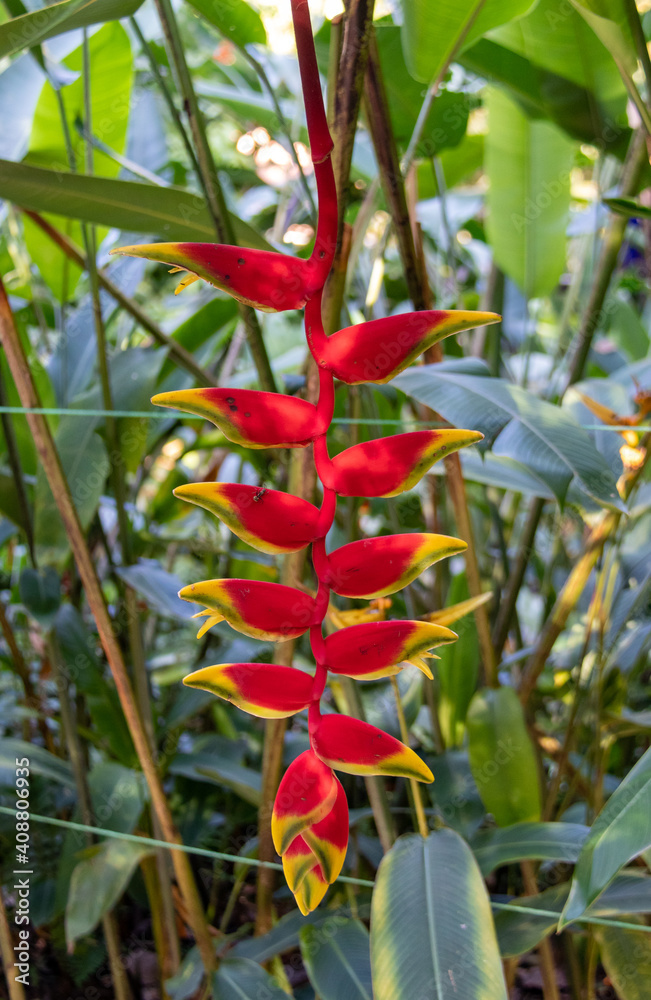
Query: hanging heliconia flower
310, 817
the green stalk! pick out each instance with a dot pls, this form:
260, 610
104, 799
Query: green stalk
421, 819
167, 97
636, 157
212, 185
602, 532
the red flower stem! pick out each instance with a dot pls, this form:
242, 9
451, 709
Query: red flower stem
317, 124
325, 243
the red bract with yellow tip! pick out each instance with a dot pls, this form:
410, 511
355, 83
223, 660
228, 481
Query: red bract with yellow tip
260, 610
386, 467
248, 417
356, 747
305, 796
375, 567
269, 281
260, 689
376, 649
378, 350
266, 519
309, 825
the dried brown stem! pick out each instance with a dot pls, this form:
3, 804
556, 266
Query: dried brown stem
51, 465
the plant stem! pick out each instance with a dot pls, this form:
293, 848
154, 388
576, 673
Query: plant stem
375, 787
15, 465
16, 991
636, 157
348, 85
545, 954
423, 829
167, 97
377, 113
119, 978
516, 576
20, 666
51, 465
212, 185
640, 42
177, 352
574, 586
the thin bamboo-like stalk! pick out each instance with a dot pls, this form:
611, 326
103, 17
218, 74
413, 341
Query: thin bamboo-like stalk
51, 465
603, 531
377, 111
421, 819
545, 953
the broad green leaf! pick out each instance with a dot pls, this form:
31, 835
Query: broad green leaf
457, 670
169, 212
242, 979
111, 76
609, 21
432, 932
543, 94
528, 842
187, 981
118, 795
561, 42
77, 645
430, 42
86, 466
518, 425
41, 762
285, 934
40, 592
98, 881
235, 19
621, 831
198, 328
339, 964
528, 166
244, 781
446, 123
519, 932
38, 25
626, 957
454, 793
159, 588
502, 757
